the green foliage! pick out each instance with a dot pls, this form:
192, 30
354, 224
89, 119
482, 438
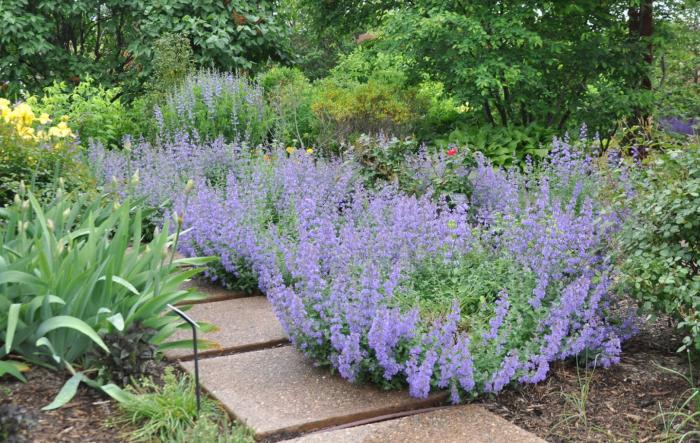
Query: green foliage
95, 112
75, 270
417, 170
661, 248
473, 280
172, 63
502, 145
348, 110
677, 91
113, 40
517, 63
227, 35
290, 96
211, 104
168, 412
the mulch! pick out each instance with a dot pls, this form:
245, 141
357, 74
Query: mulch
84, 419
623, 403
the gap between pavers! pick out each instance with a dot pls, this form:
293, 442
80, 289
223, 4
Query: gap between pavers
244, 324
278, 392
455, 424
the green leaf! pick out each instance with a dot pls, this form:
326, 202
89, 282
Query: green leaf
65, 321
66, 393
122, 282
117, 393
12, 318
14, 369
117, 321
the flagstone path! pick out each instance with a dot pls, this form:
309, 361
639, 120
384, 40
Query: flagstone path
265, 383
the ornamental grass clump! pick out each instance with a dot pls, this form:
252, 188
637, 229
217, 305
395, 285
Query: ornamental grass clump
469, 294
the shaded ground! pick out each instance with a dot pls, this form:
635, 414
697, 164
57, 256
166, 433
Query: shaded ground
81, 420
622, 403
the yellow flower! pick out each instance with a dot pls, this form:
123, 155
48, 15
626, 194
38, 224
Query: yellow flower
44, 118
61, 130
266, 157
4, 103
65, 118
310, 151
26, 132
23, 113
291, 149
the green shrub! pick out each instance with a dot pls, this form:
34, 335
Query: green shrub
290, 96
171, 64
94, 112
168, 413
36, 151
75, 270
661, 246
502, 145
347, 110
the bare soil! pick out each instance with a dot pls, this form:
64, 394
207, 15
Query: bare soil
83, 419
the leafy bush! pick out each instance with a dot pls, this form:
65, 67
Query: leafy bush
503, 146
75, 270
342, 266
350, 109
168, 412
94, 111
210, 104
171, 64
661, 248
290, 96
37, 152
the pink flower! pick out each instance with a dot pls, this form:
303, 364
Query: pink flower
452, 152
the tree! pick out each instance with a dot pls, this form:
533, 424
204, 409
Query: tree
111, 40
551, 63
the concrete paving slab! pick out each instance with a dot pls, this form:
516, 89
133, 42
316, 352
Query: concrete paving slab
456, 424
278, 392
244, 324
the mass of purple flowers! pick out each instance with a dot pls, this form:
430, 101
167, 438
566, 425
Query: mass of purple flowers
333, 257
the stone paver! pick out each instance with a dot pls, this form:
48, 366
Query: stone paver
277, 391
244, 324
458, 424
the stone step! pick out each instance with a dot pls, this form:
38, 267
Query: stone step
456, 424
244, 324
277, 392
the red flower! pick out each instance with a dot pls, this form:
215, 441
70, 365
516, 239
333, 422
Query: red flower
452, 152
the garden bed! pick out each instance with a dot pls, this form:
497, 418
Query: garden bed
623, 401
83, 419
